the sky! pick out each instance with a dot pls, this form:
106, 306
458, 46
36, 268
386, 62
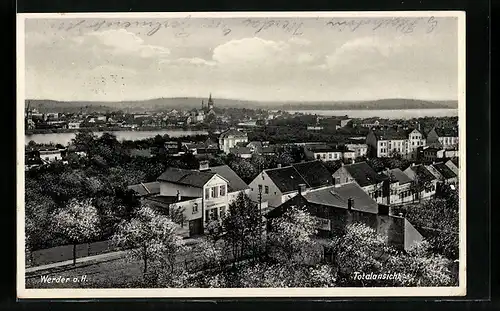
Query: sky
265, 59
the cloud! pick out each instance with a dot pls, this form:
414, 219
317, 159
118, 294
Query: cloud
367, 52
196, 61
121, 41
258, 51
299, 41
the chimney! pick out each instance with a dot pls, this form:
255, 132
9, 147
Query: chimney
203, 166
302, 188
279, 165
350, 203
179, 197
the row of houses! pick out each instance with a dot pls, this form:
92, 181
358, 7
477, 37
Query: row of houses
408, 142
353, 193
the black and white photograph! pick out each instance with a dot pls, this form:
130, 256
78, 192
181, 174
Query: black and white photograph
241, 154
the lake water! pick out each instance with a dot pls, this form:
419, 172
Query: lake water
387, 114
65, 138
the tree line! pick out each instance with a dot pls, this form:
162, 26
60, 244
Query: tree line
242, 251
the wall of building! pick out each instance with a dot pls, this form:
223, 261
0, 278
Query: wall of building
342, 176
274, 195
361, 150
415, 140
371, 142
213, 202
400, 194
327, 155
230, 142
397, 146
382, 148
448, 142
50, 156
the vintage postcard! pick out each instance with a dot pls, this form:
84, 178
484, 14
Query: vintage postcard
249, 154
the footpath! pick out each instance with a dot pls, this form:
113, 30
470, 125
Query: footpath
83, 261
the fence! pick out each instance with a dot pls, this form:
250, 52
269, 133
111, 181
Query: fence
65, 252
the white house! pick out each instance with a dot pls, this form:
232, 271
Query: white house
230, 138
360, 150
204, 194
400, 187
276, 186
51, 155
74, 125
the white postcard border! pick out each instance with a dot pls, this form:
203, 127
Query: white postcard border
24, 293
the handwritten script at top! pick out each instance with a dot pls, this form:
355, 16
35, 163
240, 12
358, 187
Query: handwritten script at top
183, 27
402, 24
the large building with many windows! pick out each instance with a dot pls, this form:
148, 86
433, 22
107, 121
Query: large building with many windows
395, 142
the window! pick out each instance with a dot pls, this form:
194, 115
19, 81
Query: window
214, 214
222, 190
207, 194
266, 189
318, 157
195, 208
207, 215
222, 212
214, 193
330, 155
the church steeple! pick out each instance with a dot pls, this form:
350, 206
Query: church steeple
210, 102
202, 104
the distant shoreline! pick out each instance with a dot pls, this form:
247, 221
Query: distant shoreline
359, 109
111, 129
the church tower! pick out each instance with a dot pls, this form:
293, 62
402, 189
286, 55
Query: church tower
210, 102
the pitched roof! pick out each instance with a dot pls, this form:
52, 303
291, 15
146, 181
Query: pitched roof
391, 134
444, 170
398, 175
240, 150
140, 152
234, 182
169, 199
422, 173
144, 189
314, 173
269, 149
337, 196
286, 178
232, 132
446, 132
432, 149
186, 177
256, 144
363, 173
326, 148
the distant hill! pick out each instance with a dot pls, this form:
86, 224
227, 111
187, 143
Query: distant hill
193, 102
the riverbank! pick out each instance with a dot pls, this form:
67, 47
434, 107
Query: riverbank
114, 129
64, 138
